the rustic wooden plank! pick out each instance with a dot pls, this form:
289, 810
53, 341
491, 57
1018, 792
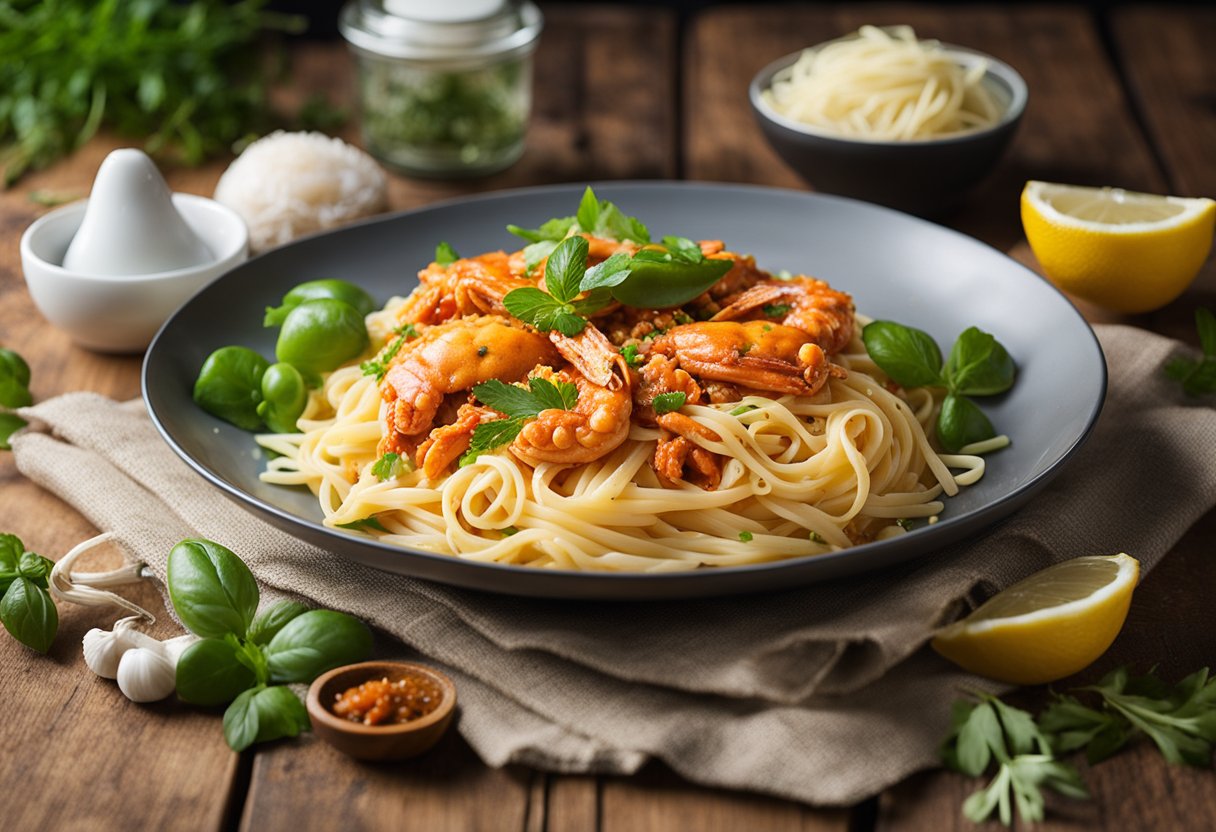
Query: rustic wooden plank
1167, 57
1077, 128
448, 788
572, 804
660, 800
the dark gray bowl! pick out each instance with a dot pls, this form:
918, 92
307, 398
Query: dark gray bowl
923, 177
895, 266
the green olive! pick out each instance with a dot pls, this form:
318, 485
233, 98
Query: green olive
320, 335
14, 380
230, 386
284, 395
320, 290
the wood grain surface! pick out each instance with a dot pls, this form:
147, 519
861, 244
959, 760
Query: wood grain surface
626, 92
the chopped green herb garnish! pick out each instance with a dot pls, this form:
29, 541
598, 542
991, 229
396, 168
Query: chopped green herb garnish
508, 531
745, 349
654, 333
391, 466
904, 523
743, 408
630, 353
816, 537
745, 536
668, 402
682, 318
379, 366
363, 525
445, 255
776, 310
519, 404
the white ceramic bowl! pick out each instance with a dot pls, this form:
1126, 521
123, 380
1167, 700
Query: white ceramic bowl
121, 314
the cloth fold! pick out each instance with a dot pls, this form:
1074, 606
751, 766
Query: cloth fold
821, 693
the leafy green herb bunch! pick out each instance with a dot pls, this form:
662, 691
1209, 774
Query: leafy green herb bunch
185, 75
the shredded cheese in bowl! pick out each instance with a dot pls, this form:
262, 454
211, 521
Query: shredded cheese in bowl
884, 84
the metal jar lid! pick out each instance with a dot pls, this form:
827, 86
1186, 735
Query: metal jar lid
449, 32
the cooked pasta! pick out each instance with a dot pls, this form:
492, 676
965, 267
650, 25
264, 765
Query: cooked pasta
789, 443
884, 84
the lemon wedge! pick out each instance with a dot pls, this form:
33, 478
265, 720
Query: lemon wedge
1047, 626
1124, 251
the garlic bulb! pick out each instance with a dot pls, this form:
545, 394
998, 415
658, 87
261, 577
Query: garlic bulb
146, 675
103, 649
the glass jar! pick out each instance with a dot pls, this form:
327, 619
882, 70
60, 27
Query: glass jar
445, 86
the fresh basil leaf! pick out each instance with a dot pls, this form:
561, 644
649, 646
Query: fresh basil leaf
27, 612
961, 422
552, 231
668, 403
491, 435
315, 642
588, 214
280, 713
212, 590
978, 365
11, 549
561, 395
565, 268
910, 357
251, 656
10, 423
269, 621
1205, 322
35, 567
241, 721
209, 673
14, 380
661, 284
445, 255
610, 272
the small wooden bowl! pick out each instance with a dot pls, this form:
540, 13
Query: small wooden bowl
378, 742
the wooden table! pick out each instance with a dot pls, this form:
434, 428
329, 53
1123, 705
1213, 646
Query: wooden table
1126, 98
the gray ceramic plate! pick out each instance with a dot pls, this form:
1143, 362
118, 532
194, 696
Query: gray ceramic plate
896, 267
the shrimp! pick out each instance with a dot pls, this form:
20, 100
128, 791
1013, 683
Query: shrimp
677, 453
448, 442
454, 357
753, 354
470, 286
596, 425
801, 302
657, 376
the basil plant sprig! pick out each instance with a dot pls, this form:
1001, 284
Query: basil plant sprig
658, 276
14, 393
977, 366
26, 608
244, 657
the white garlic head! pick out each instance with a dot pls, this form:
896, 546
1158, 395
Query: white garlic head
146, 675
102, 651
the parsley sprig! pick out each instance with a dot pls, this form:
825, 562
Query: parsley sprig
519, 404
1198, 377
977, 366
668, 403
390, 466
1180, 719
987, 731
560, 308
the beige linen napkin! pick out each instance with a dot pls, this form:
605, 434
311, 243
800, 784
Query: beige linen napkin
817, 693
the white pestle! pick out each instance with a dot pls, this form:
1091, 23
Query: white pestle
130, 225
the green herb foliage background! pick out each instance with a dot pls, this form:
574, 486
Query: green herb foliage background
184, 74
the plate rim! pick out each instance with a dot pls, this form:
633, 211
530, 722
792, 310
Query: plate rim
931, 539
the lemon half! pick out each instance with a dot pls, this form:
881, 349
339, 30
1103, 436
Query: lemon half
1048, 626
1125, 251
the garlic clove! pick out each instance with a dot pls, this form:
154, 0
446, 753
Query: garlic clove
146, 675
103, 650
